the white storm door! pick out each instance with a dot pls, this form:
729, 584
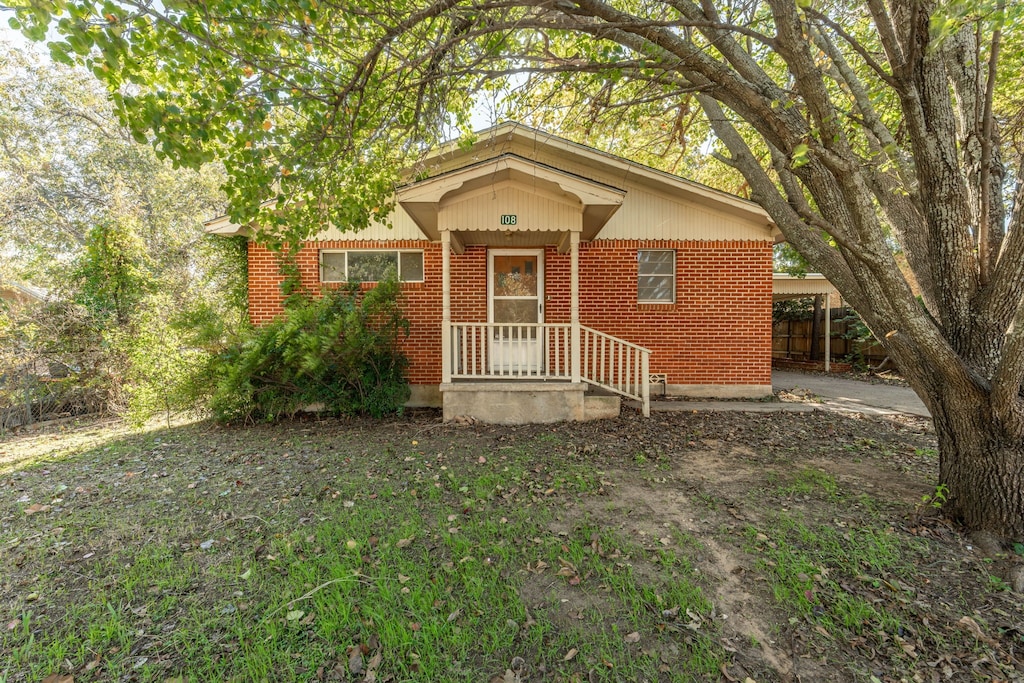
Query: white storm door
515, 309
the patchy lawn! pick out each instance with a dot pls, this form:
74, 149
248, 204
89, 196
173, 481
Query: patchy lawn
711, 546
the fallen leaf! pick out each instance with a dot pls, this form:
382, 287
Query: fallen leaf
403, 542
414, 626
355, 661
34, 508
633, 637
371, 669
207, 544
351, 545
294, 615
246, 574
570, 654
972, 626
13, 624
402, 578
59, 678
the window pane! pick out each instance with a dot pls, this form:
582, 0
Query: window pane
411, 267
371, 266
655, 288
656, 262
333, 266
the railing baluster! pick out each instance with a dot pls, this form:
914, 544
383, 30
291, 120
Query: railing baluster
545, 351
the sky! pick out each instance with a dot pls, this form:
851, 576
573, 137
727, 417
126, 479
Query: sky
14, 38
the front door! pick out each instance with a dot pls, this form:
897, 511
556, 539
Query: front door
515, 307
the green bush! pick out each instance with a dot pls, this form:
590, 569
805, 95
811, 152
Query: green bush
164, 370
338, 354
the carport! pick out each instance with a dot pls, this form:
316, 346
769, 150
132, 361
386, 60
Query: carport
786, 286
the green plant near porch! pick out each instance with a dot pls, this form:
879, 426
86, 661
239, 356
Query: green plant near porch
338, 353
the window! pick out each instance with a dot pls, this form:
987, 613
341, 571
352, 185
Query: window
656, 276
370, 266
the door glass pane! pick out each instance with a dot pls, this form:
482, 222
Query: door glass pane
515, 311
515, 275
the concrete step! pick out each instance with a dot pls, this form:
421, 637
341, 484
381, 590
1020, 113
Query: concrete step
601, 407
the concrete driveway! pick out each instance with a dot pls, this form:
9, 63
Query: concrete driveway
851, 394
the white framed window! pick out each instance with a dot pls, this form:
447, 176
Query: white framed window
656, 276
370, 265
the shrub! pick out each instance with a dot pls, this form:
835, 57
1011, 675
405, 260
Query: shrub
164, 370
338, 354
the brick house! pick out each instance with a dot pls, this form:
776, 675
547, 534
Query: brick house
535, 268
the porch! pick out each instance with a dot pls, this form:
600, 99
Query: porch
516, 363
550, 365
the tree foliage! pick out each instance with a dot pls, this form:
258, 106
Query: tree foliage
114, 234
862, 128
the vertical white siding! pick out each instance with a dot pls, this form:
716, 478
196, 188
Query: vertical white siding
532, 212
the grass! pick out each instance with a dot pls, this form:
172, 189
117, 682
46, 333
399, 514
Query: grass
421, 566
810, 567
811, 481
421, 552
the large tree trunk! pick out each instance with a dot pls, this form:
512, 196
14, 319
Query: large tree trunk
981, 463
815, 352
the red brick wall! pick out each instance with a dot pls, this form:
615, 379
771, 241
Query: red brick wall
717, 332
422, 300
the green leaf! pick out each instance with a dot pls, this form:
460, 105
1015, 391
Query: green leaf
799, 157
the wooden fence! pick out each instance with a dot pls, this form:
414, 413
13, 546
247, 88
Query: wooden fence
791, 339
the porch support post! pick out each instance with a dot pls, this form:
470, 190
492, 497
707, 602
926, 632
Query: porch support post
574, 306
446, 307
828, 331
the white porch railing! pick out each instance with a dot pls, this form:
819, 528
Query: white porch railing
545, 351
501, 350
617, 365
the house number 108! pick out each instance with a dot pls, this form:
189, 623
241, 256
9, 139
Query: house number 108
508, 219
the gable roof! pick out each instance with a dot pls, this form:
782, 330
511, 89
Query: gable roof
423, 198
508, 136
565, 165
21, 293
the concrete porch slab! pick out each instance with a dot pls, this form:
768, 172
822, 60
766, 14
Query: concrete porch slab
523, 402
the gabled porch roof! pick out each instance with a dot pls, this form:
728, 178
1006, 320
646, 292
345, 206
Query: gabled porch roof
589, 204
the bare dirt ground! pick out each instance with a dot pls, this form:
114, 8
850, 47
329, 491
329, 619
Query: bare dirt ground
811, 533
